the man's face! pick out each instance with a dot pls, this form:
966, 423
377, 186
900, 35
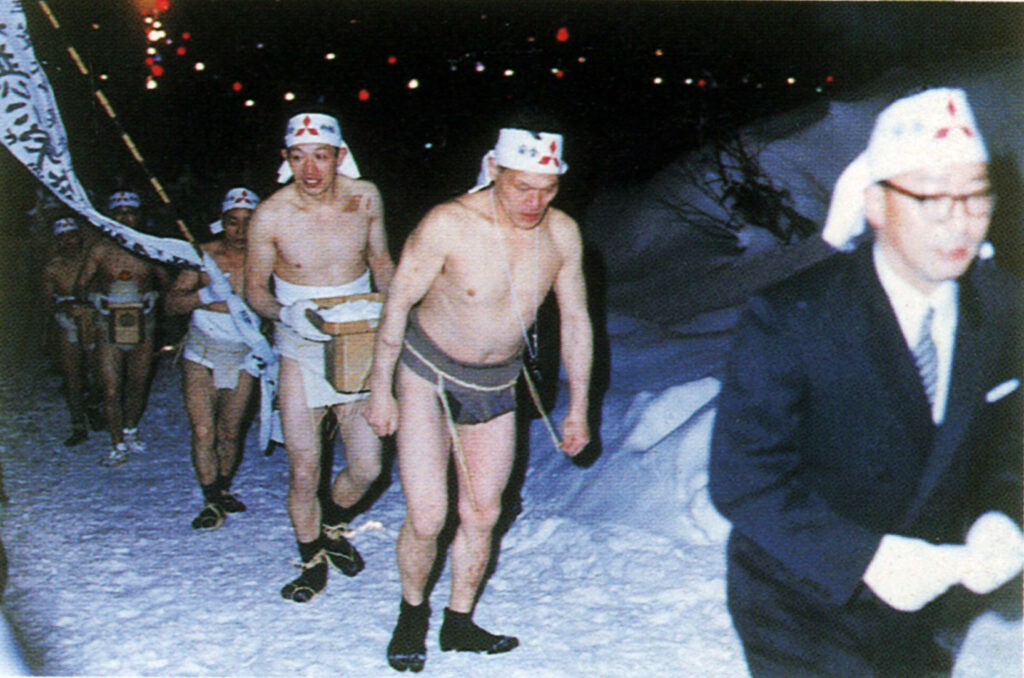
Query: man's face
524, 196
236, 226
927, 238
129, 216
314, 166
69, 242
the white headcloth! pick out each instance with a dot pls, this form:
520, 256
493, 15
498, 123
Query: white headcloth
520, 149
65, 225
233, 199
316, 128
930, 130
123, 199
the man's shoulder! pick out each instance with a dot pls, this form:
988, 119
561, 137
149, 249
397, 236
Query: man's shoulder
819, 282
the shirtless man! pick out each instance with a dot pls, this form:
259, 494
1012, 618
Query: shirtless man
468, 285
217, 371
320, 236
118, 276
74, 319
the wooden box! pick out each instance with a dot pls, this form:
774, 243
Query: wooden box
348, 357
126, 323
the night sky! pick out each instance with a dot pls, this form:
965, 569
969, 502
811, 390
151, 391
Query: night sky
422, 87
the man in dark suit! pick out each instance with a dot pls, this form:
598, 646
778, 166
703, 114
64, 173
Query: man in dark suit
867, 445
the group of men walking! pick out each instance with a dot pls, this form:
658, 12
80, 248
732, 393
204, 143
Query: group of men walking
867, 446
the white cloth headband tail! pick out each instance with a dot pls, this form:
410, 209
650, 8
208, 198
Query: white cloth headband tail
346, 167
483, 179
845, 220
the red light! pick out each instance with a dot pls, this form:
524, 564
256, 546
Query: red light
157, 70
830, 79
237, 86
392, 60
181, 51
562, 35
559, 73
150, 61
162, 5
702, 83
186, 36
364, 95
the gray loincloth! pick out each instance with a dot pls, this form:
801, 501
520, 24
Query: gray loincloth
475, 392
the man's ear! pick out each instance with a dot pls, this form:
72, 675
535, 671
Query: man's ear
284, 154
874, 205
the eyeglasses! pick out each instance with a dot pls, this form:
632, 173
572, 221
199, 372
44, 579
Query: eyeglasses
940, 207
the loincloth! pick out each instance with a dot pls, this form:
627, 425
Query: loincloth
310, 354
214, 343
67, 326
125, 292
475, 392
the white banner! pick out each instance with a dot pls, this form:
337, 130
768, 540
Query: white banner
31, 129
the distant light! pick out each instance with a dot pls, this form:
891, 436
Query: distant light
150, 61
148, 20
582, 60
162, 5
151, 50
157, 70
562, 35
413, 84
151, 83
331, 56
95, 27
186, 36
480, 68
830, 79
688, 81
158, 24
658, 52
364, 95
392, 60
236, 86
658, 80
259, 45
155, 35
509, 73
790, 81
531, 39
104, 76
702, 83
181, 51
558, 72
429, 145
200, 66
249, 103
819, 90
289, 96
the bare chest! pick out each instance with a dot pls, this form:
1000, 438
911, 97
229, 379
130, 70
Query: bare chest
318, 241
492, 272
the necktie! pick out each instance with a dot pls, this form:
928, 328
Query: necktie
926, 356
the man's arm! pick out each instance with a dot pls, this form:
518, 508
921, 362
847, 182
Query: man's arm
420, 264
378, 257
88, 271
260, 255
576, 339
183, 297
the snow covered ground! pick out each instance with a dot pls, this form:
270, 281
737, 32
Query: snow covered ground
612, 570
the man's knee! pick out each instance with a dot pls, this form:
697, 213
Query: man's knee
426, 524
202, 434
477, 516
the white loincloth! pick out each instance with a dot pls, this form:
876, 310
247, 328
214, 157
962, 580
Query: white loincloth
67, 324
310, 354
215, 343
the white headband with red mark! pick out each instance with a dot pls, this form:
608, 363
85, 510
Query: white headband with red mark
527, 151
931, 130
316, 128
234, 199
123, 199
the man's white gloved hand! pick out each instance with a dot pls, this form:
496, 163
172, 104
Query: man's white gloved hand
909, 573
995, 552
294, 316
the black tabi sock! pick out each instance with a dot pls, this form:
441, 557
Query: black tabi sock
408, 646
223, 484
210, 492
458, 632
332, 514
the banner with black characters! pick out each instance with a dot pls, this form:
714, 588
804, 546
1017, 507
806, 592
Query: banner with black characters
32, 130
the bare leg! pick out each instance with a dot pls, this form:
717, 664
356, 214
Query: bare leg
231, 407
423, 469
74, 382
110, 369
489, 452
199, 395
138, 362
362, 455
299, 424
